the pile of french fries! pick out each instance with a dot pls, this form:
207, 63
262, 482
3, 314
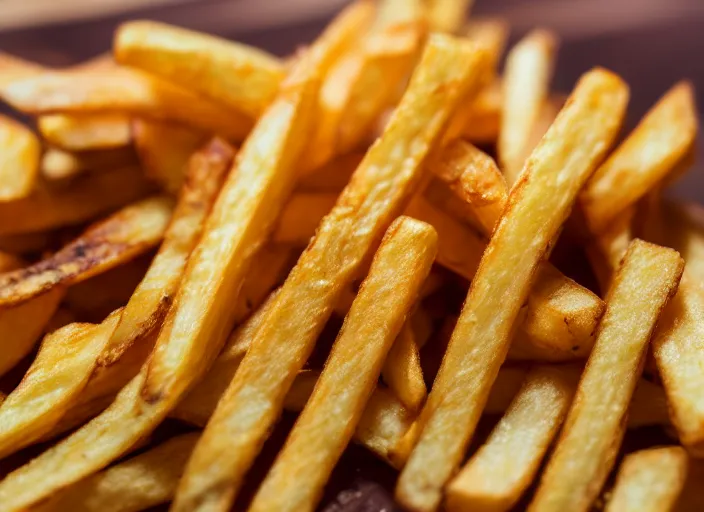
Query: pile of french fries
185, 218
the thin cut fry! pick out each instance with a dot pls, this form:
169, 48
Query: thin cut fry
538, 205
235, 75
19, 159
122, 90
591, 437
527, 76
88, 196
448, 15
138, 483
499, 473
388, 175
296, 480
402, 371
58, 164
650, 152
649, 481
82, 132
120, 238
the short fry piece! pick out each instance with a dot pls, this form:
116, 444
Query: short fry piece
538, 205
503, 468
235, 75
118, 239
296, 480
649, 481
402, 371
591, 437
527, 76
388, 175
19, 159
83, 132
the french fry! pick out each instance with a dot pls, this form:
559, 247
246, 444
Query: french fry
594, 428
87, 197
58, 164
243, 417
122, 90
448, 15
58, 373
649, 154
13, 68
164, 150
333, 176
377, 315
607, 248
483, 124
120, 238
402, 371
198, 321
526, 83
649, 480
82, 132
538, 205
19, 159
146, 480
490, 33
683, 230
301, 217
237, 76
499, 473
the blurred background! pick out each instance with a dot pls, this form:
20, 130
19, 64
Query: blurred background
651, 43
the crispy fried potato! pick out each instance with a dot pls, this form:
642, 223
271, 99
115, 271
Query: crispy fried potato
19, 159
146, 480
120, 238
58, 373
255, 396
529, 67
499, 473
235, 75
402, 371
82, 132
649, 481
164, 150
538, 205
57, 164
303, 466
87, 197
647, 156
448, 15
588, 445
122, 90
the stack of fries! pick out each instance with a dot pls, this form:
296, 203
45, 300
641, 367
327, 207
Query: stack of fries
188, 214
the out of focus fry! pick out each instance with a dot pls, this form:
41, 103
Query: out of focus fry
82, 132
483, 122
491, 34
58, 164
19, 159
448, 15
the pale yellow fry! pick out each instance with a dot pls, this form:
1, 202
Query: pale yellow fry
109, 243
483, 122
58, 373
402, 371
138, 483
13, 68
123, 90
388, 175
19, 159
200, 318
88, 196
593, 431
22, 325
499, 473
649, 481
325, 427
529, 67
235, 75
448, 15
58, 164
81, 132
647, 156
538, 205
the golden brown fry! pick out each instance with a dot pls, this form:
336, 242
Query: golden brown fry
235, 75
296, 480
448, 15
81, 132
591, 437
58, 164
647, 156
19, 159
59, 372
527, 76
164, 149
138, 483
649, 481
120, 238
122, 90
402, 371
388, 175
499, 473
87, 197
538, 205
483, 123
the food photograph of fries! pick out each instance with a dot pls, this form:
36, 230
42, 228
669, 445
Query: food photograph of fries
373, 256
